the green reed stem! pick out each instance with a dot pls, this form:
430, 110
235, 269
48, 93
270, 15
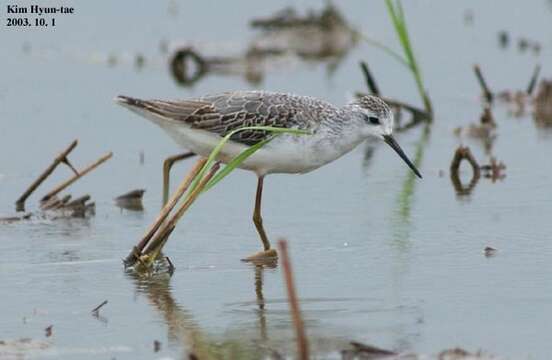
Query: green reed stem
396, 13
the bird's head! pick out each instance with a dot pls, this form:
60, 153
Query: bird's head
376, 120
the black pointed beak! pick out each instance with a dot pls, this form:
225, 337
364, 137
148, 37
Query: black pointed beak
390, 140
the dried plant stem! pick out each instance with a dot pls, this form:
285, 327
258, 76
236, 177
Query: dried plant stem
486, 91
62, 157
533, 80
203, 178
70, 181
417, 113
370, 81
166, 228
182, 188
167, 165
302, 343
96, 310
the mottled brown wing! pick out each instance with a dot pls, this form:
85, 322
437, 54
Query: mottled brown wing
225, 112
241, 109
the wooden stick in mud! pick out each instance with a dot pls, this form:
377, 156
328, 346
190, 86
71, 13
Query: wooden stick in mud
70, 181
137, 250
486, 92
370, 81
302, 344
96, 310
533, 80
62, 157
167, 227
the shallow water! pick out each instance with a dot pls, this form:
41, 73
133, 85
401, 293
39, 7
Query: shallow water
377, 259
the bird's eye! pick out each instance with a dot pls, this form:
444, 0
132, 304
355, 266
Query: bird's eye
374, 120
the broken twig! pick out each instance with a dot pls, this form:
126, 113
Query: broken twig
486, 92
62, 157
370, 81
302, 343
533, 81
70, 181
96, 310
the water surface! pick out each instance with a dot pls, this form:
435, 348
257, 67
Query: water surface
377, 258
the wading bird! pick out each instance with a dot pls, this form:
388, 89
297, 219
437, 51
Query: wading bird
199, 124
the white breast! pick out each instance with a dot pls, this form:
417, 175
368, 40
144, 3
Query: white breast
285, 154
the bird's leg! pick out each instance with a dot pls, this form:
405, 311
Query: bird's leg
268, 253
257, 219
167, 165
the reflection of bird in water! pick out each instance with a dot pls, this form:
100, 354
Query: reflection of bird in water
319, 37
183, 330
188, 66
264, 327
260, 301
199, 124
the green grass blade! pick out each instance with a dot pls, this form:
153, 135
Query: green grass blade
396, 13
392, 13
384, 48
212, 157
397, 17
236, 161
409, 184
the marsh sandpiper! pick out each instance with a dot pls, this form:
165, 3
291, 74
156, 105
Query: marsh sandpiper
198, 125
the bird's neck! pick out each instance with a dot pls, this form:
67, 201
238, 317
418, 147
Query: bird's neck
344, 127
337, 136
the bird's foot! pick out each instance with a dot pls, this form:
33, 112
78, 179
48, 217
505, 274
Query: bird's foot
263, 257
